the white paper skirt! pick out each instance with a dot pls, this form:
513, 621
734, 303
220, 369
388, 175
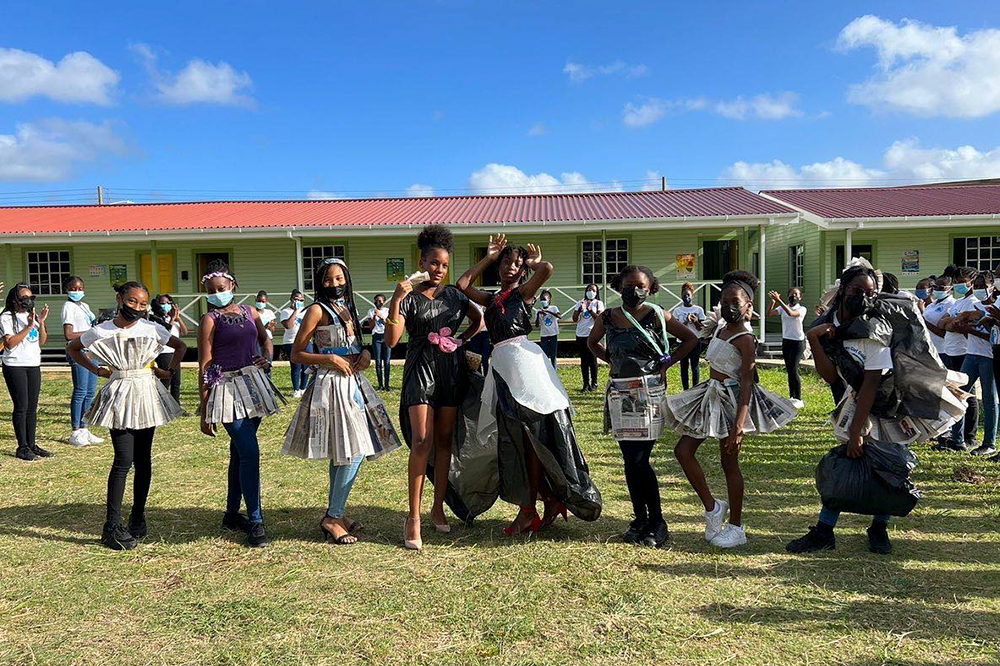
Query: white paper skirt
133, 400
246, 393
331, 422
708, 410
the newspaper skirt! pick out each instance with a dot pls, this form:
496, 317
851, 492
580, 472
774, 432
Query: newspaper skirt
634, 408
709, 410
903, 429
340, 418
246, 393
133, 400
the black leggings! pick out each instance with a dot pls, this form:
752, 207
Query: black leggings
791, 351
132, 447
24, 384
689, 363
972, 405
172, 383
588, 363
643, 489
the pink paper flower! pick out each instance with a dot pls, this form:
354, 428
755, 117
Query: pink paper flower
444, 341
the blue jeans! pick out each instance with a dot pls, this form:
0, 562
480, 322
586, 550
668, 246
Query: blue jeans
980, 368
299, 378
244, 468
341, 479
84, 390
829, 517
381, 354
550, 345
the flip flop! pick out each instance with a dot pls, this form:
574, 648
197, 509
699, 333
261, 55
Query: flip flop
344, 540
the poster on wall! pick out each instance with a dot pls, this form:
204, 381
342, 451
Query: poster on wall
118, 273
98, 270
687, 266
911, 261
394, 270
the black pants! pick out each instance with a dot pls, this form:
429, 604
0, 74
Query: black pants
24, 384
972, 406
791, 352
689, 364
588, 363
172, 384
132, 447
643, 489
550, 347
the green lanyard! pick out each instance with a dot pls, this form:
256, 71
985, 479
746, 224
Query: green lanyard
662, 351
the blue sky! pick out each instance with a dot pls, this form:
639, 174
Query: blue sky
297, 99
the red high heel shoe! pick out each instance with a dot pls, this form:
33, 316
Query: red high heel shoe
553, 509
533, 526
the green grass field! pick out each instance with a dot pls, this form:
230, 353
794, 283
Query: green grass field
192, 594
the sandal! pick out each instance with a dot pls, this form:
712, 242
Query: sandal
355, 527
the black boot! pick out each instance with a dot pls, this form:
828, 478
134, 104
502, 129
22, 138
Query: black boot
878, 538
117, 537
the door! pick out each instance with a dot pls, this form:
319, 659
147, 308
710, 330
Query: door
166, 271
491, 276
718, 258
863, 251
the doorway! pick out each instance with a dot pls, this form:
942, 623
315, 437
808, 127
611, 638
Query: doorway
864, 251
491, 276
718, 258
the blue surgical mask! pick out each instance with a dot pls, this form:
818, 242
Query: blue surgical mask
543, 304
981, 294
75, 296
922, 294
961, 289
591, 294
166, 307
940, 294
298, 305
221, 299
261, 305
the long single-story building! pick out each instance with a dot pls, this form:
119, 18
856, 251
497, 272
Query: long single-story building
913, 232
683, 235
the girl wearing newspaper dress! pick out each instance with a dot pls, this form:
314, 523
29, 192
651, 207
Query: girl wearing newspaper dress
725, 407
340, 418
236, 392
524, 402
638, 354
898, 390
132, 403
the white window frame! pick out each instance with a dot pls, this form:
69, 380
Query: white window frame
612, 265
46, 282
986, 253
313, 254
796, 266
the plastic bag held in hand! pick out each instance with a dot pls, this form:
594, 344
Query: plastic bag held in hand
877, 483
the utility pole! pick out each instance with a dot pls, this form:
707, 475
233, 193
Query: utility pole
663, 183
100, 196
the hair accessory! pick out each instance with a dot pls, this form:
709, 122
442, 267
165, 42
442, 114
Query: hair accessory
744, 286
334, 260
208, 276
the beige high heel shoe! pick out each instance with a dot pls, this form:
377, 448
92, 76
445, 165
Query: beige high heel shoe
411, 544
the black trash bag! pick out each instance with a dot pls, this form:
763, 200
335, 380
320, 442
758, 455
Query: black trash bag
877, 483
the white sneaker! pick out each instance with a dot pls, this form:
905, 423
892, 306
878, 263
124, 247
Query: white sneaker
79, 438
715, 518
797, 404
730, 537
92, 438
298, 394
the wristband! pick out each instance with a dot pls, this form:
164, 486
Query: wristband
393, 322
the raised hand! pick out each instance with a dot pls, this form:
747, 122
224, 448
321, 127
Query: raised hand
402, 289
45, 313
775, 296
496, 246
534, 256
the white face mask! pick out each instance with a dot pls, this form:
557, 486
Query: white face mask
591, 294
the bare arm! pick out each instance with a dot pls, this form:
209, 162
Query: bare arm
75, 351
180, 321
475, 318
747, 349
262, 340
866, 398
595, 341
206, 333
287, 323
542, 272
824, 366
395, 323
687, 337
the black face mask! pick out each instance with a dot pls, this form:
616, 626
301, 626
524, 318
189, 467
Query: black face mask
686, 300
794, 300
27, 303
333, 293
732, 313
633, 296
858, 304
131, 314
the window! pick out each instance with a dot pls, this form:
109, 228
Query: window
866, 252
979, 252
616, 258
796, 266
47, 270
313, 256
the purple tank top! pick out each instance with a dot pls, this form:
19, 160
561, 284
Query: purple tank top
235, 342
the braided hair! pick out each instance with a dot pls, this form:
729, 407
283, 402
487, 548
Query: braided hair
516, 252
320, 297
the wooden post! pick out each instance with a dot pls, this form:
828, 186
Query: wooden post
762, 295
663, 183
604, 263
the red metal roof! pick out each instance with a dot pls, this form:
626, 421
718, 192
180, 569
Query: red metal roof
875, 202
529, 208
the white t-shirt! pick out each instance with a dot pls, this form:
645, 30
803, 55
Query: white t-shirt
143, 328
932, 315
379, 328
175, 331
548, 321
872, 355
681, 313
78, 315
956, 344
28, 354
291, 332
792, 327
266, 317
587, 317
977, 345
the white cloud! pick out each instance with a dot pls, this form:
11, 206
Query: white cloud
51, 150
578, 73
505, 179
199, 82
538, 129
319, 195
904, 162
645, 114
418, 190
79, 78
652, 181
927, 70
763, 107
